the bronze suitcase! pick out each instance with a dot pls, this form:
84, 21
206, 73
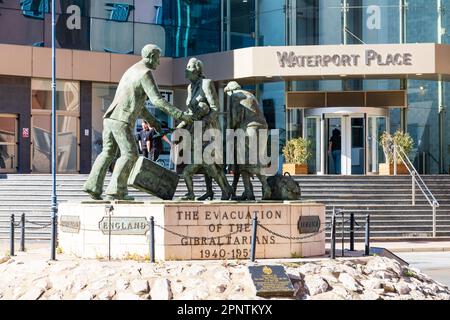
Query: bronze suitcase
150, 177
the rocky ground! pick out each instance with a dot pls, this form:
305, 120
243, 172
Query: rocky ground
363, 278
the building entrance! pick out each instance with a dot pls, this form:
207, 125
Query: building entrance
8, 143
345, 141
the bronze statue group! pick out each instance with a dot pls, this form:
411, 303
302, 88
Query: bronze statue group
136, 86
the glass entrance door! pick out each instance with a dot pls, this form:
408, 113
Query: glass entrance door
346, 144
334, 134
8, 143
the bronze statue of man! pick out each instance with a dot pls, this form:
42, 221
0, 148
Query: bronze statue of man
119, 121
245, 114
203, 105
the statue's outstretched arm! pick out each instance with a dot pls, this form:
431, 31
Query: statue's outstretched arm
152, 91
151, 119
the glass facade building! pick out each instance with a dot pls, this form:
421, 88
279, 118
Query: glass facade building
184, 28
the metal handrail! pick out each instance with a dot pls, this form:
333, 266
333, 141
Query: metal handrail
416, 179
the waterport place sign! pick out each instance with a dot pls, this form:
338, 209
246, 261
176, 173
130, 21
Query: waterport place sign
290, 59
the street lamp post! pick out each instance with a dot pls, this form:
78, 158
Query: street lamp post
54, 209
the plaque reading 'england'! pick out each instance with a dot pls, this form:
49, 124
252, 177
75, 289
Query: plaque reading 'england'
271, 281
309, 224
70, 224
124, 225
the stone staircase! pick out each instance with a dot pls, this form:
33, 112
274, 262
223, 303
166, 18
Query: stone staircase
386, 198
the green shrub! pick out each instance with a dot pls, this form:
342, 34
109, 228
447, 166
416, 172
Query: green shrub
297, 151
400, 139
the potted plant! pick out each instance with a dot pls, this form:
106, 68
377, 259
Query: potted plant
404, 142
296, 154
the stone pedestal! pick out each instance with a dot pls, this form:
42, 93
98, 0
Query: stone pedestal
192, 230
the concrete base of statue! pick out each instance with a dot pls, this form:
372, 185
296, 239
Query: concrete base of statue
192, 230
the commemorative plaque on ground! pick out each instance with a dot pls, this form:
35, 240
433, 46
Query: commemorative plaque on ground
271, 281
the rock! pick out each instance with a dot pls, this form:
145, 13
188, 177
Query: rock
85, 295
194, 294
33, 294
177, 287
370, 295
309, 268
195, 270
385, 275
443, 296
339, 290
45, 284
107, 295
402, 288
126, 296
349, 282
315, 284
351, 271
98, 285
140, 286
60, 282
238, 288
161, 290
293, 274
222, 276
389, 288
372, 283
221, 288
382, 263
79, 284
330, 278
56, 296
330, 295
122, 284
301, 292
195, 283
4, 259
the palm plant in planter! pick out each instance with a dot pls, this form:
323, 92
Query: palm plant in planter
404, 142
296, 154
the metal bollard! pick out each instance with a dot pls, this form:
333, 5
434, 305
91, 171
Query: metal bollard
352, 232
254, 227
333, 236
22, 234
11, 235
367, 236
152, 239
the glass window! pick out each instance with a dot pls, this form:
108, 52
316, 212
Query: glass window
15, 28
67, 144
68, 111
41, 143
67, 95
111, 36
8, 143
421, 21
102, 96
423, 120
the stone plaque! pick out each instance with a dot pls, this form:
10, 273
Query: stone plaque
308, 224
271, 281
124, 225
70, 224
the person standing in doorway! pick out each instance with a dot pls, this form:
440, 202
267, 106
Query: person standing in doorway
334, 148
145, 139
156, 145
